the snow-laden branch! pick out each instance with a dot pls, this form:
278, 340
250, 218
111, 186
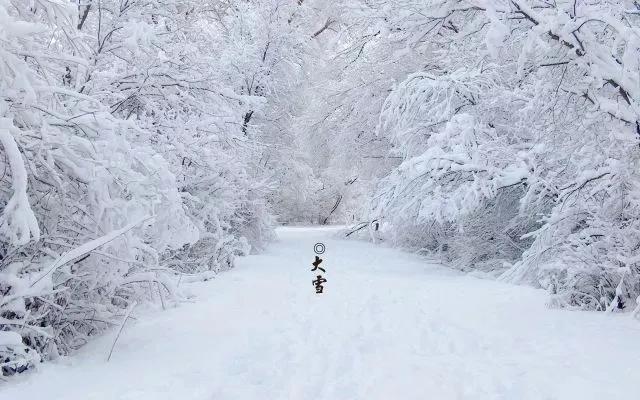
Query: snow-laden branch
17, 222
88, 247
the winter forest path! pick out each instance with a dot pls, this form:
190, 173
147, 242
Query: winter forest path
389, 326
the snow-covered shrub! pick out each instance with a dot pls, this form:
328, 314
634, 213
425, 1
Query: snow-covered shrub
178, 95
585, 252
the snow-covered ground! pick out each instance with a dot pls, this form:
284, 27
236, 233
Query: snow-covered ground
389, 326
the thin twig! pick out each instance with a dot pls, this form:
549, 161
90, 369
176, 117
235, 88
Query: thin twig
121, 328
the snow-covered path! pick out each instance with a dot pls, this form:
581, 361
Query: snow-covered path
389, 326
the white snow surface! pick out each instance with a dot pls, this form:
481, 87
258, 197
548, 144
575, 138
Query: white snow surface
390, 325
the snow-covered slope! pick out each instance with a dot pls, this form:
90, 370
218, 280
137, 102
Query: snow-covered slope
389, 326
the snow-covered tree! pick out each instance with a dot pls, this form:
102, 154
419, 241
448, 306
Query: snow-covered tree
128, 158
516, 124
88, 211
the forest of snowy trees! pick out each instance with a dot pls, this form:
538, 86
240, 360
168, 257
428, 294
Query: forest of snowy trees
148, 143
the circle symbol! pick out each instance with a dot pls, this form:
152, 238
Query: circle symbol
319, 248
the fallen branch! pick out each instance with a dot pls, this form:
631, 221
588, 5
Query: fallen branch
89, 247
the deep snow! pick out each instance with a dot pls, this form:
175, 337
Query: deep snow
389, 326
